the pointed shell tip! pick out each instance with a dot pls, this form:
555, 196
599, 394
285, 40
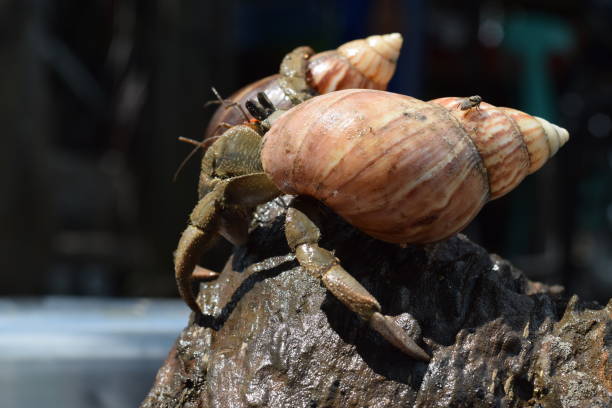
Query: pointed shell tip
556, 135
563, 135
394, 38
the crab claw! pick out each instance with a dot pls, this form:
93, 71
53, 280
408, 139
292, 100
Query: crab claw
203, 274
397, 336
188, 252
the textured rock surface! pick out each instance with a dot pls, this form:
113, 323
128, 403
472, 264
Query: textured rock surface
278, 339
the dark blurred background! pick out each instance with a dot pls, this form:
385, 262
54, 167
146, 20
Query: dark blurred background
94, 95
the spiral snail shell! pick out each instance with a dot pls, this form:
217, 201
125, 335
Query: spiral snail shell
512, 144
367, 63
364, 63
400, 169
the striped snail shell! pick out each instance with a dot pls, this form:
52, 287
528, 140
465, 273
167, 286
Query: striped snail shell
364, 63
512, 144
400, 169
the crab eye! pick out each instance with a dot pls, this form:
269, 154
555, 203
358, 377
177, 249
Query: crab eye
256, 109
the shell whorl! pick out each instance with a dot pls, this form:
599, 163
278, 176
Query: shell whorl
400, 169
367, 63
512, 143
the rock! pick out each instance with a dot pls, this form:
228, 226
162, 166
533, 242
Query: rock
279, 339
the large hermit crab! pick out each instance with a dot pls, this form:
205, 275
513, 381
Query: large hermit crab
401, 170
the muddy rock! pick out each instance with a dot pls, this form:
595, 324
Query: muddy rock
274, 337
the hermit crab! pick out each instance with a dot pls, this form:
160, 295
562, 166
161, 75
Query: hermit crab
399, 169
364, 63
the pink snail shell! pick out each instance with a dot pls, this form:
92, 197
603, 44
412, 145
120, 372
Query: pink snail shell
400, 169
367, 63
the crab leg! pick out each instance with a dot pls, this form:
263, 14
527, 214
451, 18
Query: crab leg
303, 237
199, 236
216, 213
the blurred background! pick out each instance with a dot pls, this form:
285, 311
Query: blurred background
94, 94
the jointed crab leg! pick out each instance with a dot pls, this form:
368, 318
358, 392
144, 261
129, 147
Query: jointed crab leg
303, 237
218, 212
199, 236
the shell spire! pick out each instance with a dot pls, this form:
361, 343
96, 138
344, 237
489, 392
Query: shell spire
543, 139
375, 56
512, 143
365, 63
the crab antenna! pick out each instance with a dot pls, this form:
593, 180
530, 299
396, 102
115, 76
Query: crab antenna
198, 145
208, 103
190, 141
220, 101
184, 162
219, 98
229, 104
